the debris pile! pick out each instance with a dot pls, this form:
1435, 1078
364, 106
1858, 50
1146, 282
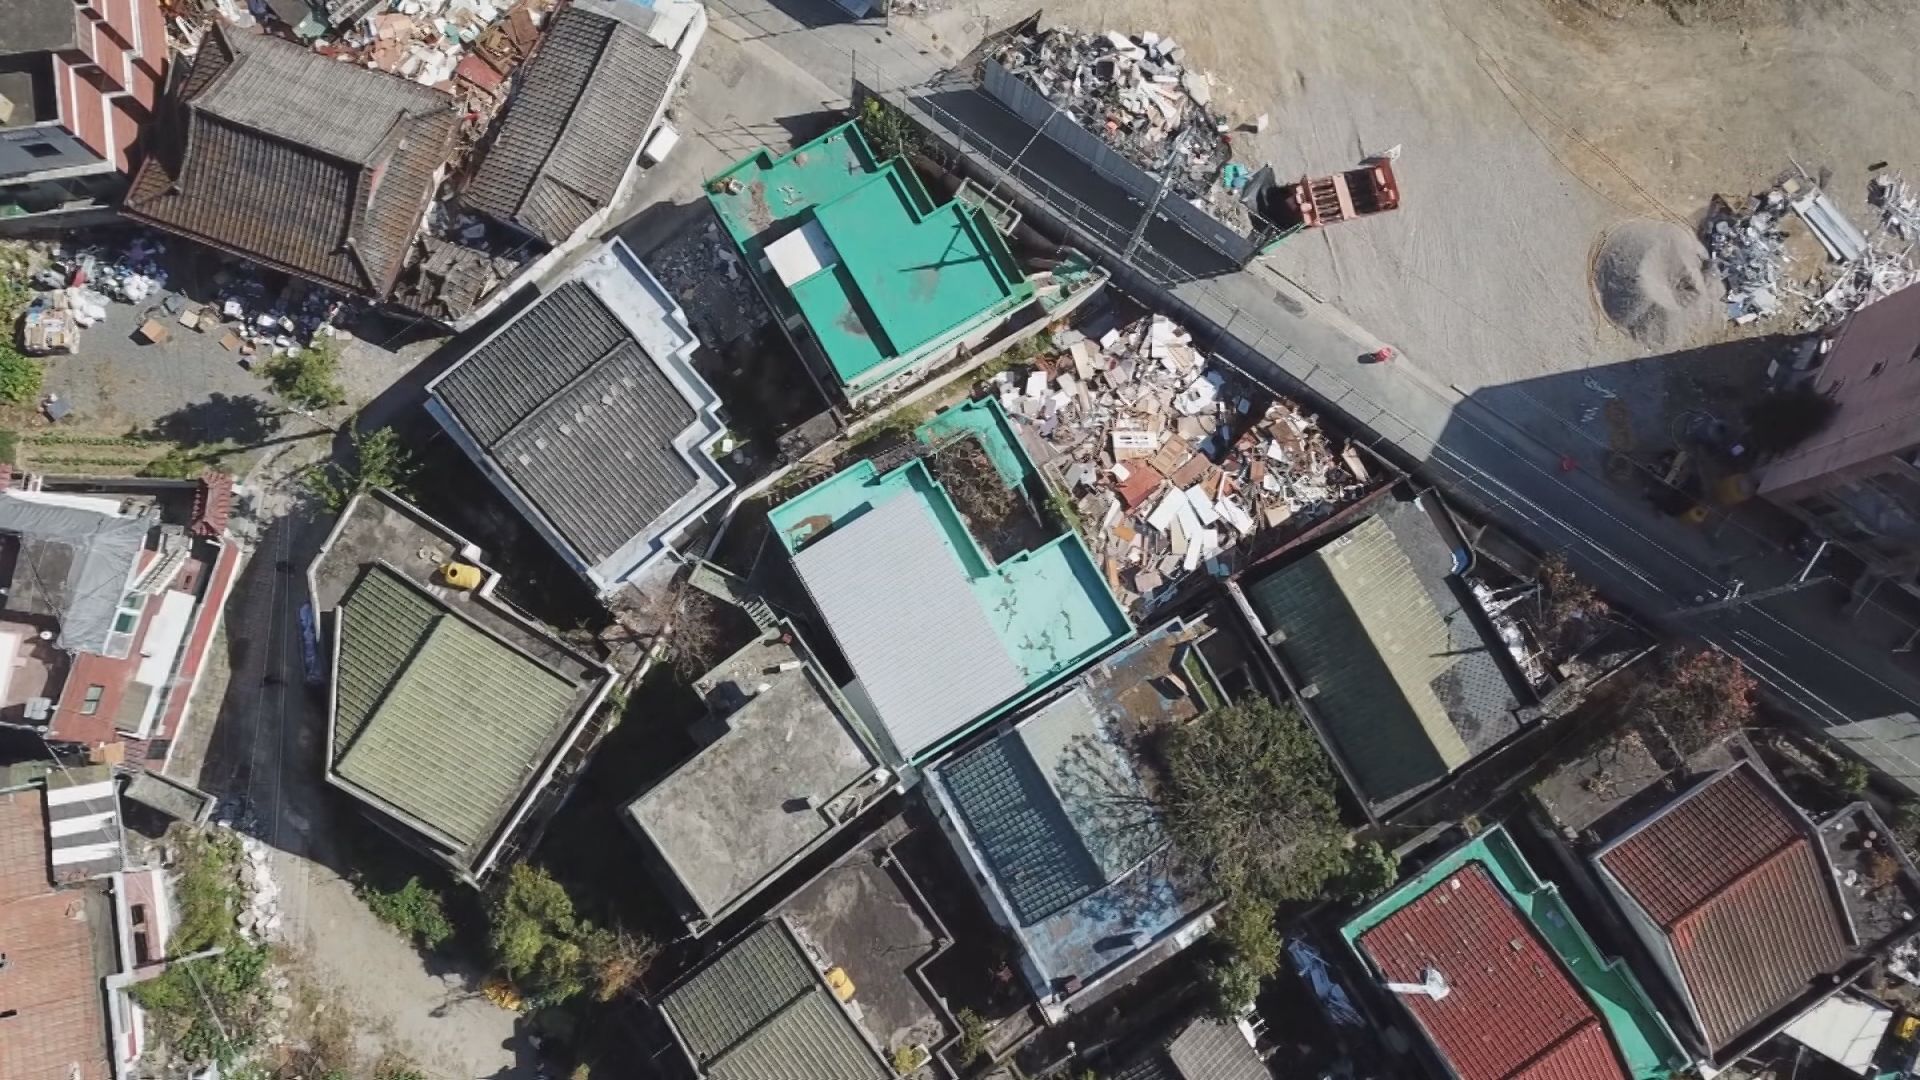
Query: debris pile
249, 317
1173, 466
1750, 251
1137, 95
1652, 282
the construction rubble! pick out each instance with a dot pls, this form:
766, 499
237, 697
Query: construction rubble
248, 318
1749, 249
1175, 464
1136, 94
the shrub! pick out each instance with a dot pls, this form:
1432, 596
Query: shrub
549, 952
309, 378
413, 909
1852, 777
974, 1033
20, 376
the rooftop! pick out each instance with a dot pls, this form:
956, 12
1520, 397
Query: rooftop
761, 1010
1870, 374
940, 637
1202, 1050
1530, 996
446, 704
1736, 881
789, 766
863, 916
856, 247
1057, 816
586, 409
574, 125
1410, 681
75, 560
52, 1023
272, 152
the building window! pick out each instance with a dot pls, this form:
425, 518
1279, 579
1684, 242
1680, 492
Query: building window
41, 149
92, 703
125, 621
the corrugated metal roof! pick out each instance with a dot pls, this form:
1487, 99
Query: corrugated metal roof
579, 417
811, 1037
278, 154
898, 601
1362, 628
1731, 875
437, 718
1511, 1010
574, 125
1208, 1050
758, 1011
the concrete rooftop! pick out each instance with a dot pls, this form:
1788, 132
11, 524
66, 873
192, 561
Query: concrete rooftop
789, 769
879, 273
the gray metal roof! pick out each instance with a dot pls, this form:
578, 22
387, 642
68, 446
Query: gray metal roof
899, 602
1208, 1050
759, 1011
1020, 827
572, 129
579, 418
74, 564
1407, 686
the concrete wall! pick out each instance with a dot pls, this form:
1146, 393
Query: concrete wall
1016, 94
67, 153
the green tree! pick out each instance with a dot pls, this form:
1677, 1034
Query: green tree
1246, 951
308, 378
1249, 796
379, 461
549, 952
974, 1034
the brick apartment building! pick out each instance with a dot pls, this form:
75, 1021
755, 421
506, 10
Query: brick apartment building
78, 82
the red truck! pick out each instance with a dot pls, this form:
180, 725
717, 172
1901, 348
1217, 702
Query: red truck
1314, 201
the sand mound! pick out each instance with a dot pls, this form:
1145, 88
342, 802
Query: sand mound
1654, 283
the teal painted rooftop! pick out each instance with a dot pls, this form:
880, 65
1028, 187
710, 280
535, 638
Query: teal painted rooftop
924, 594
858, 249
1637, 1030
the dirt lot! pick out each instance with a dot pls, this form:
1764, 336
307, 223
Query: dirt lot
1528, 129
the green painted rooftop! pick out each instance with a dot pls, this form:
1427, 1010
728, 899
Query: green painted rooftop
888, 275
957, 633
437, 719
1637, 1031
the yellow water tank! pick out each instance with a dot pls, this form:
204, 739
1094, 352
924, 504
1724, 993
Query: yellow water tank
841, 983
460, 575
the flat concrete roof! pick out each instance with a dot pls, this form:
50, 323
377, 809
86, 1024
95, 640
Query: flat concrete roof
766, 791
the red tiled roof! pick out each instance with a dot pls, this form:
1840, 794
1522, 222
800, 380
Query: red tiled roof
1731, 877
53, 1027
212, 503
1512, 1012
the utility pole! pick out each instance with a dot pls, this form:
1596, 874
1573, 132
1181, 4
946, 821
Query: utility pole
1166, 181
1736, 596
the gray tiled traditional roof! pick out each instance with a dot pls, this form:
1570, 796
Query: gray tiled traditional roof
278, 154
759, 1011
579, 418
1407, 687
1203, 1050
436, 718
574, 125
930, 665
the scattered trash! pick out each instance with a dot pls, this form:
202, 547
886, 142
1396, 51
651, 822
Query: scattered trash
1749, 252
1176, 464
1135, 94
